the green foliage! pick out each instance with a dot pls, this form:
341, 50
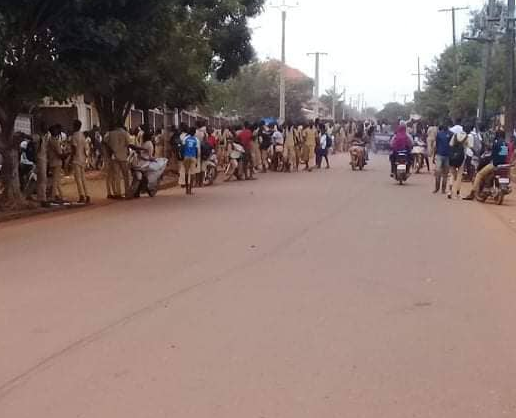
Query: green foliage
441, 100
254, 92
394, 111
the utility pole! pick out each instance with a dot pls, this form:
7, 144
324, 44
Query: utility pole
511, 44
454, 11
283, 7
334, 104
487, 39
418, 74
344, 104
317, 77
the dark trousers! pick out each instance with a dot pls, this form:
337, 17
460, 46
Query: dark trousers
321, 154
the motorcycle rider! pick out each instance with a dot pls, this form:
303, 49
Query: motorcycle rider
401, 141
500, 154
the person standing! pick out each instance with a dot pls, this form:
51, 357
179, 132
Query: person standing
265, 140
441, 158
458, 146
310, 135
111, 171
55, 162
245, 138
289, 152
79, 161
41, 143
118, 142
190, 157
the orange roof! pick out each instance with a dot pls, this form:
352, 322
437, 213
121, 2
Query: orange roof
290, 73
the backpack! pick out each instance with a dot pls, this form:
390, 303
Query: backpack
329, 141
206, 151
457, 153
177, 147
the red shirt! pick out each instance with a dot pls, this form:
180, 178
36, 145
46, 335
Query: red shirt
246, 138
212, 140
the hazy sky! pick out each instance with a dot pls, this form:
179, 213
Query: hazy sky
372, 44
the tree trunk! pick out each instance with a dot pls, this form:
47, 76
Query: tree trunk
11, 195
112, 113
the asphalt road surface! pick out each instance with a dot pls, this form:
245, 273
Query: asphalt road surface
325, 294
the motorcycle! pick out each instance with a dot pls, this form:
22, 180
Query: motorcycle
419, 153
211, 172
357, 153
402, 166
497, 185
277, 162
147, 177
235, 166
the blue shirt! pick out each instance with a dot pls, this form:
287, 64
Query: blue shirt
190, 148
442, 144
500, 152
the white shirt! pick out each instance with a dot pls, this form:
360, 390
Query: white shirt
323, 141
277, 137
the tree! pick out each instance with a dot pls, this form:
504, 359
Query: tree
392, 112
442, 101
159, 51
30, 69
121, 51
255, 93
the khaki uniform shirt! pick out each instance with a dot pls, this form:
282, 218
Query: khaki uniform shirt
54, 152
118, 142
310, 135
79, 145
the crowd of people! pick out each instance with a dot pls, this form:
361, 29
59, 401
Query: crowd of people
240, 151
455, 151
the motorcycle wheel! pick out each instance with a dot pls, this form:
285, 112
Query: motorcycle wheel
209, 178
499, 199
481, 198
153, 193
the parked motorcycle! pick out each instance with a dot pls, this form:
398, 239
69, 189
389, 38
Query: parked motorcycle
211, 172
497, 185
147, 177
235, 166
402, 165
357, 153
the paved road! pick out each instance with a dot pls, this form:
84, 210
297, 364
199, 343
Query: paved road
331, 294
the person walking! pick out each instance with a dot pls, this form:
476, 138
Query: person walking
79, 161
55, 162
458, 146
441, 158
190, 158
119, 140
431, 139
322, 148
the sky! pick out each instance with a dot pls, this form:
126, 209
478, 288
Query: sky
373, 45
